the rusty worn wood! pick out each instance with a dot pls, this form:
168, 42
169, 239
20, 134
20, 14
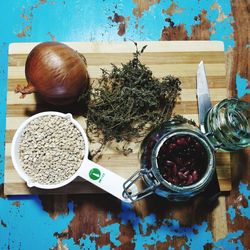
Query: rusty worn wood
238, 62
219, 221
191, 213
177, 58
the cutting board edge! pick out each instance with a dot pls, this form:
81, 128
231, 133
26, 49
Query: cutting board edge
218, 44
101, 47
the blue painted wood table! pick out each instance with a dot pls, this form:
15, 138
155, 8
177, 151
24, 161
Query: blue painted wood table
101, 221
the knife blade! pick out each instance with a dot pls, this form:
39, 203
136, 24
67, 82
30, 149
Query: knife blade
204, 102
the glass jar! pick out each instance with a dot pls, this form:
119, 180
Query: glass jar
152, 172
178, 160
228, 124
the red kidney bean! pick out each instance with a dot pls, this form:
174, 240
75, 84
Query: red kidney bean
182, 141
174, 169
182, 176
172, 146
182, 160
175, 180
169, 164
183, 169
195, 175
190, 179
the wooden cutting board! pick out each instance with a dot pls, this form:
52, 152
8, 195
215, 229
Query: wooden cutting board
178, 58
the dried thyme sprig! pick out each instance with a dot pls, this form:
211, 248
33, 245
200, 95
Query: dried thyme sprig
129, 99
182, 119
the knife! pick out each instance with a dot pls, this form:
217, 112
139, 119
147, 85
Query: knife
204, 102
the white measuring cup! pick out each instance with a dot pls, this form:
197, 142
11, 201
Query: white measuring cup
89, 170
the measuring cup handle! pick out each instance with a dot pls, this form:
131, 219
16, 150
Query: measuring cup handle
106, 180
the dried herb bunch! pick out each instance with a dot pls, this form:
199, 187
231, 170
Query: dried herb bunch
129, 99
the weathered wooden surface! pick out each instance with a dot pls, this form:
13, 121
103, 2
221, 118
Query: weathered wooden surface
176, 58
100, 220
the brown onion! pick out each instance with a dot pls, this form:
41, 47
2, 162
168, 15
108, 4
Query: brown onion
56, 72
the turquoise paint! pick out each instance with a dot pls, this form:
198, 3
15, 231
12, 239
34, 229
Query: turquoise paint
241, 86
106, 247
197, 235
88, 242
114, 233
81, 20
224, 29
70, 244
245, 211
148, 220
3, 79
192, 9
240, 210
227, 244
29, 226
232, 213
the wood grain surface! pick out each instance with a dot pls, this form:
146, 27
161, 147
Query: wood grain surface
176, 58
148, 221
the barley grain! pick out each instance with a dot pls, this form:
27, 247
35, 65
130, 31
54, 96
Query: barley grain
51, 149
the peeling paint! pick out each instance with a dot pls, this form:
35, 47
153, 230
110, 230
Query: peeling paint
242, 86
25, 17
88, 241
227, 243
60, 246
52, 37
241, 206
24, 32
122, 23
232, 213
114, 232
174, 33
3, 224
221, 16
245, 210
31, 220
167, 228
149, 231
28, 18
71, 245
16, 203
172, 9
217, 30
201, 31
30, 216
142, 6
107, 247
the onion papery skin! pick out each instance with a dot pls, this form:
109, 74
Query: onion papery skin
56, 72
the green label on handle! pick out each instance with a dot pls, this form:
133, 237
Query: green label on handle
94, 174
